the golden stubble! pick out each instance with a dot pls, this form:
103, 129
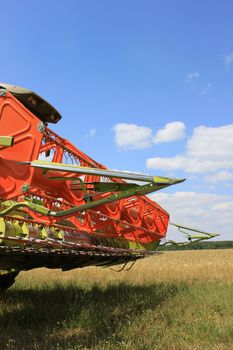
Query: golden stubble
188, 266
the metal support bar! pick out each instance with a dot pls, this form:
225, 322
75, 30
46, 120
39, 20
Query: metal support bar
6, 141
191, 238
101, 172
135, 191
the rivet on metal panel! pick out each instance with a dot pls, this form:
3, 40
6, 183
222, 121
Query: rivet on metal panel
25, 188
40, 127
2, 92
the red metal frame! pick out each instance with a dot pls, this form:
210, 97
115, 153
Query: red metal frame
136, 218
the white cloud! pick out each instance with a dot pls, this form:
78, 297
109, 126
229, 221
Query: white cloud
221, 176
206, 89
212, 143
210, 212
228, 60
92, 132
177, 162
171, 132
208, 150
193, 76
224, 206
133, 136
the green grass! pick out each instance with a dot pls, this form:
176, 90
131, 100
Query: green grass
143, 309
121, 316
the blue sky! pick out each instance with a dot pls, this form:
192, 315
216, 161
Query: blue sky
142, 86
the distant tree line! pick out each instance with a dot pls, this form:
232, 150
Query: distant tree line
199, 245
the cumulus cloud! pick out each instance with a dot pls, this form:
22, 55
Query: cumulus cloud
210, 212
171, 132
193, 76
228, 60
211, 143
208, 150
133, 136
221, 176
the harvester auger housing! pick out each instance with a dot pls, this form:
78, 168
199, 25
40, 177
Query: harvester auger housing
59, 208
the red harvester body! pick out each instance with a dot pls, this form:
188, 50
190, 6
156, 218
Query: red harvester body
59, 207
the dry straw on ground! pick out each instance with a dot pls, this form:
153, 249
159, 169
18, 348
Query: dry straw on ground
202, 265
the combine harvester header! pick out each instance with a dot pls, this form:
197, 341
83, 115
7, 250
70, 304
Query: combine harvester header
59, 208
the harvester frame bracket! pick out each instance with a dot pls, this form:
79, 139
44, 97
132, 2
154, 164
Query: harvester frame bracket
192, 238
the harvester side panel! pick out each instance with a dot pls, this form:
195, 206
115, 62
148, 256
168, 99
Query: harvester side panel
22, 125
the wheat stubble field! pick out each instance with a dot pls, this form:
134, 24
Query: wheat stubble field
177, 300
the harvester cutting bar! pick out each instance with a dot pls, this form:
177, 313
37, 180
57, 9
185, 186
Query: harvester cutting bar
26, 258
62, 247
69, 248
